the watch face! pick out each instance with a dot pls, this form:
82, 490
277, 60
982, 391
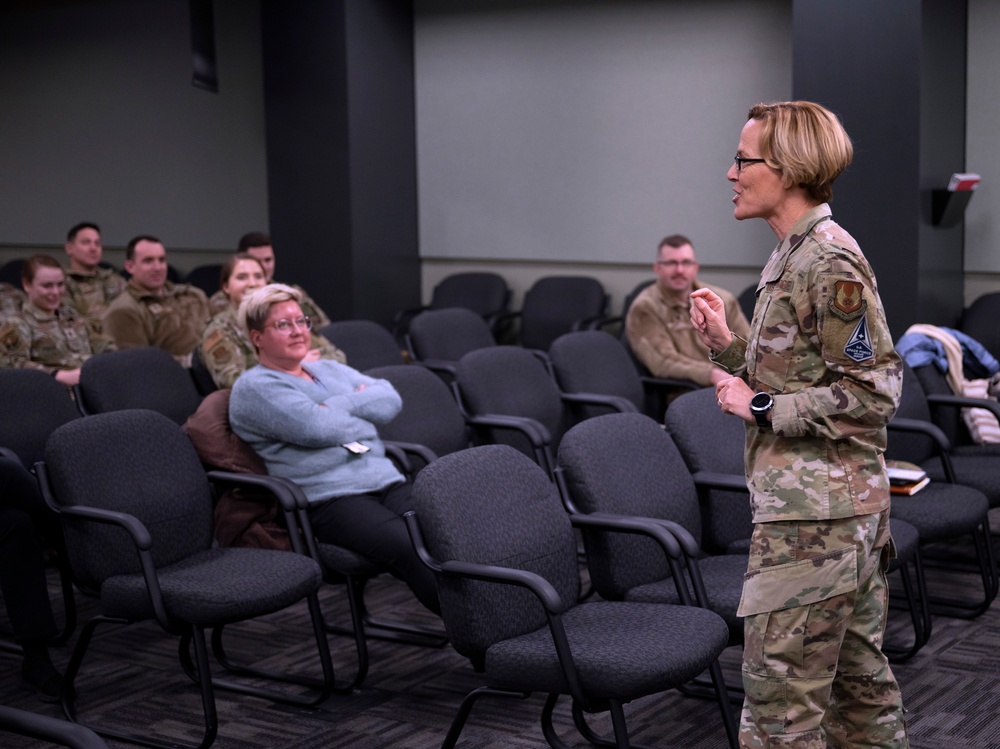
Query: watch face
761, 401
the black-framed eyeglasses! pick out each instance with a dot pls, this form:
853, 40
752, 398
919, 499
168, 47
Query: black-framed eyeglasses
740, 161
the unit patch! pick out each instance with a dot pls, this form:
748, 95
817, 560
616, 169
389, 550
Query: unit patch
846, 302
859, 345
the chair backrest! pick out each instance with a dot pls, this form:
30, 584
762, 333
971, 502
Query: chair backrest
510, 381
137, 462
908, 446
10, 272
748, 300
558, 304
429, 415
366, 343
491, 505
205, 277
146, 377
202, 378
448, 334
712, 441
981, 320
34, 406
592, 361
484, 293
626, 464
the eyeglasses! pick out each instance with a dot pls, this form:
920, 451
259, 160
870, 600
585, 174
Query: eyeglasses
285, 327
740, 161
685, 264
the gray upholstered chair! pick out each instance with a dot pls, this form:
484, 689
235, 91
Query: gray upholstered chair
558, 304
484, 293
507, 574
626, 464
592, 361
508, 395
430, 423
438, 338
366, 343
136, 507
711, 443
137, 378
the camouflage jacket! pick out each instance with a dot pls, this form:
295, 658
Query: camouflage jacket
35, 339
11, 298
227, 352
91, 293
219, 302
174, 321
820, 344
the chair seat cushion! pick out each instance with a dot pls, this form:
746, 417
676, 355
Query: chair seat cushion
622, 650
978, 471
723, 578
940, 511
338, 560
217, 586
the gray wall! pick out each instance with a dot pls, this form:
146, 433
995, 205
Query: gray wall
555, 172
585, 132
100, 122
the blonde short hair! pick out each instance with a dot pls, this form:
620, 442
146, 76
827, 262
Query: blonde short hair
805, 142
256, 305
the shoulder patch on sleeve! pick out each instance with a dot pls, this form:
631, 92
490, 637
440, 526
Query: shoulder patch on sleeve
859, 346
847, 302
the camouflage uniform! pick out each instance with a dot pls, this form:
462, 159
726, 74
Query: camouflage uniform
814, 597
36, 339
227, 352
91, 293
659, 330
174, 321
11, 298
219, 302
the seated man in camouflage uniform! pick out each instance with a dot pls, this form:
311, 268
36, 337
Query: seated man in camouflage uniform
89, 287
258, 245
153, 311
46, 334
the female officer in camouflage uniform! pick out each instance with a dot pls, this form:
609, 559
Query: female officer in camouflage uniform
47, 333
818, 380
226, 350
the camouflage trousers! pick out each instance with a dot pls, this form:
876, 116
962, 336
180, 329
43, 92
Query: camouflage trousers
813, 669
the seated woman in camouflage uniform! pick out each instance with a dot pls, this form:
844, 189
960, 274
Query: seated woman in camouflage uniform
225, 348
47, 333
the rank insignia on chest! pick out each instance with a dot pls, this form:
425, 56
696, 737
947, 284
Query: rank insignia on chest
847, 302
859, 345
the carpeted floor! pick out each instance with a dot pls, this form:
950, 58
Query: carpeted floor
951, 689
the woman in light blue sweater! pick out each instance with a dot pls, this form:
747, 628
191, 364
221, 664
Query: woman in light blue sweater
316, 425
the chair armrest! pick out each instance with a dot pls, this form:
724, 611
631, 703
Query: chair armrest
534, 430
537, 584
438, 366
6, 452
664, 383
413, 448
614, 402
398, 455
658, 530
130, 523
727, 481
942, 445
961, 401
288, 499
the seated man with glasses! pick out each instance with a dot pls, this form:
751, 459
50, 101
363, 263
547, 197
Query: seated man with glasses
315, 422
658, 324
